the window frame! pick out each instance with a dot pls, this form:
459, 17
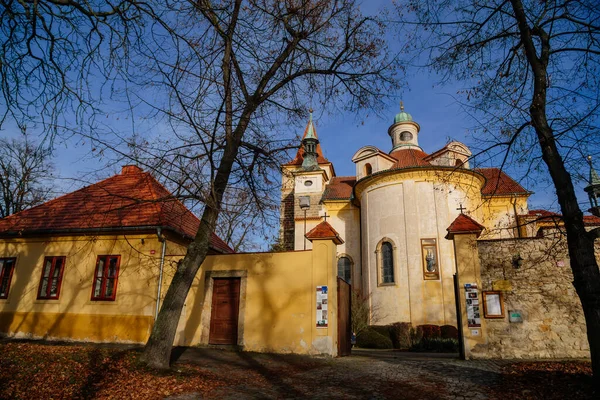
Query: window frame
8, 282
47, 296
346, 256
102, 296
379, 252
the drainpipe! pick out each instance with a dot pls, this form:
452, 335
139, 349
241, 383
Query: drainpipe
513, 201
161, 239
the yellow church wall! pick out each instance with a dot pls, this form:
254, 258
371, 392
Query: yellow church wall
345, 219
498, 215
74, 315
405, 207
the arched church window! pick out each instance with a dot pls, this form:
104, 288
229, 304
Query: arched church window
387, 263
345, 268
368, 169
406, 136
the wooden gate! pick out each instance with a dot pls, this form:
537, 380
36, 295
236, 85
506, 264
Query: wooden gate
344, 318
225, 310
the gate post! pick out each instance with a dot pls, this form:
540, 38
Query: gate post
324, 275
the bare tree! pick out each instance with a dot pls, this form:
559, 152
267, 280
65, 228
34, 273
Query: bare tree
252, 68
531, 70
25, 175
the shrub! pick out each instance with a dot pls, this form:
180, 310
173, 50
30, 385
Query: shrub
436, 345
449, 332
400, 333
383, 330
430, 331
371, 339
416, 335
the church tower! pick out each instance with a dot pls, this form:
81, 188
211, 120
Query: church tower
593, 190
303, 182
404, 132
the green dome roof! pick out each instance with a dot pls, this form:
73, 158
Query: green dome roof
402, 116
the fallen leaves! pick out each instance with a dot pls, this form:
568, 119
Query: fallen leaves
34, 371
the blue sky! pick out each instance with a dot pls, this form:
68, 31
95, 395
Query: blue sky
431, 105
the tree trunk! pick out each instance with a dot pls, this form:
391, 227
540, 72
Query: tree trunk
580, 244
157, 353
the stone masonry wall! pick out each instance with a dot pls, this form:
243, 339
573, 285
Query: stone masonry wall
541, 289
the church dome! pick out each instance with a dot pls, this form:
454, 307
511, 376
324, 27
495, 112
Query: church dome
402, 116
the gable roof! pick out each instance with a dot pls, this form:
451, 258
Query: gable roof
464, 224
300, 154
128, 201
324, 231
499, 183
339, 188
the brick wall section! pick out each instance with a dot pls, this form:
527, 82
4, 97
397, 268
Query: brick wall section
553, 322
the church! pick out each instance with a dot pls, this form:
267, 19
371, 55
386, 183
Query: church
393, 215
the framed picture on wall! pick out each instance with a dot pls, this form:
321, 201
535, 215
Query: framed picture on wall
493, 304
431, 265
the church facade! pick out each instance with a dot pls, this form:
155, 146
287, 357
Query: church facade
393, 215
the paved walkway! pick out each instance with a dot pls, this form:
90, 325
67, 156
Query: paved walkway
367, 374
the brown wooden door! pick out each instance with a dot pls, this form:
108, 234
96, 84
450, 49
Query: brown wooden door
344, 318
225, 309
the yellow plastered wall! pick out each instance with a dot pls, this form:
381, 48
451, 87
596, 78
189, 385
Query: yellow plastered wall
277, 300
74, 315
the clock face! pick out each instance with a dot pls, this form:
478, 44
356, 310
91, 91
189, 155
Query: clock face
308, 183
406, 136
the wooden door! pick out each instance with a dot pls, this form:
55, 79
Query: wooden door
344, 318
225, 310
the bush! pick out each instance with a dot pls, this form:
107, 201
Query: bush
400, 335
416, 335
436, 345
383, 330
449, 332
431, 331
371, 339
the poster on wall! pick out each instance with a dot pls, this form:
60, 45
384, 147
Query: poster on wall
321, 306
473, 306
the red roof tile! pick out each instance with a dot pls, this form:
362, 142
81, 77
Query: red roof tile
409, 158
132, 199
300, 154
464, 224
339, 188
324, 231
498, 183
588, 220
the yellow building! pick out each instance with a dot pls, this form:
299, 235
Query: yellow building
93, 265
392, 215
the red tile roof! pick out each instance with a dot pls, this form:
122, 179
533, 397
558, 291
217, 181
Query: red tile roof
409, 158
132, 199
300, 154
591, 220
498, 183
464, 224
339, 188
588, 220
324, 231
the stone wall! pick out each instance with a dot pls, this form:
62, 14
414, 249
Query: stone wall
541, 289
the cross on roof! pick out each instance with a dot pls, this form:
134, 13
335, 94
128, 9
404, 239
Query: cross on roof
461, 208
325, 216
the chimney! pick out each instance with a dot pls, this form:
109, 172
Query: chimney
131, 169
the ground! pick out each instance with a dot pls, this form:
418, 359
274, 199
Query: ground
34, 370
